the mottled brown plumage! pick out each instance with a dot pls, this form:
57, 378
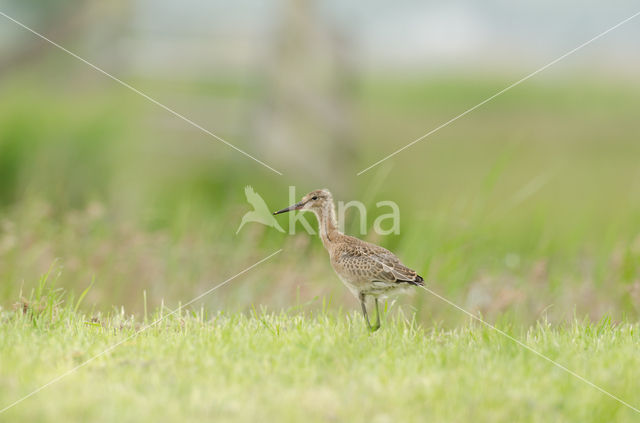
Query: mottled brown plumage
366, 269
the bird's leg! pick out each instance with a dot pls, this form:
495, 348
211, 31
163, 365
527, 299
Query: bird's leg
377, 325
364, 311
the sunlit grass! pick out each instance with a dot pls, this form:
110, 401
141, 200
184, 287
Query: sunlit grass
298, 365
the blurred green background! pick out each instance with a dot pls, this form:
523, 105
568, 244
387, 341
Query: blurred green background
528, 207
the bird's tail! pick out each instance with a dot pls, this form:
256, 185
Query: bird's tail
418, 281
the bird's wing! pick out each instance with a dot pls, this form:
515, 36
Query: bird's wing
376, 263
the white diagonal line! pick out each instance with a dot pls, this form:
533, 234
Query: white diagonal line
536, 352
135, 90
128, 338
504, 90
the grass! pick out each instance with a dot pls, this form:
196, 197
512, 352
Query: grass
526, 211
298, 365
532, 201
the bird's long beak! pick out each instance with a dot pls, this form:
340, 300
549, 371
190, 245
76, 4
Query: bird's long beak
296, 206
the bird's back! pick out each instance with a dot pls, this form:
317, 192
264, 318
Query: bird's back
368, 267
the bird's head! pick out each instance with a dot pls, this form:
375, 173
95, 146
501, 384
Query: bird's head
314, 201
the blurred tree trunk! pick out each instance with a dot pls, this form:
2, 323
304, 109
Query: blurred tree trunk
304, 123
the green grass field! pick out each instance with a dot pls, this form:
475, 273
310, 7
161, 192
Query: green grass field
526, 212
295, 366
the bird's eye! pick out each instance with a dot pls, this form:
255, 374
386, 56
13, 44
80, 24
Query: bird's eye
315, 197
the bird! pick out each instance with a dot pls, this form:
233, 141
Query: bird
366, 269
260, 212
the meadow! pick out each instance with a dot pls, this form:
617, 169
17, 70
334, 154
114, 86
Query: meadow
113, 214
313, 366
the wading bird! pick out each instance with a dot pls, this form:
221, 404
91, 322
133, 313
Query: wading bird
366, 269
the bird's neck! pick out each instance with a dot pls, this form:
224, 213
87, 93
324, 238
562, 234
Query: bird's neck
328, 224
